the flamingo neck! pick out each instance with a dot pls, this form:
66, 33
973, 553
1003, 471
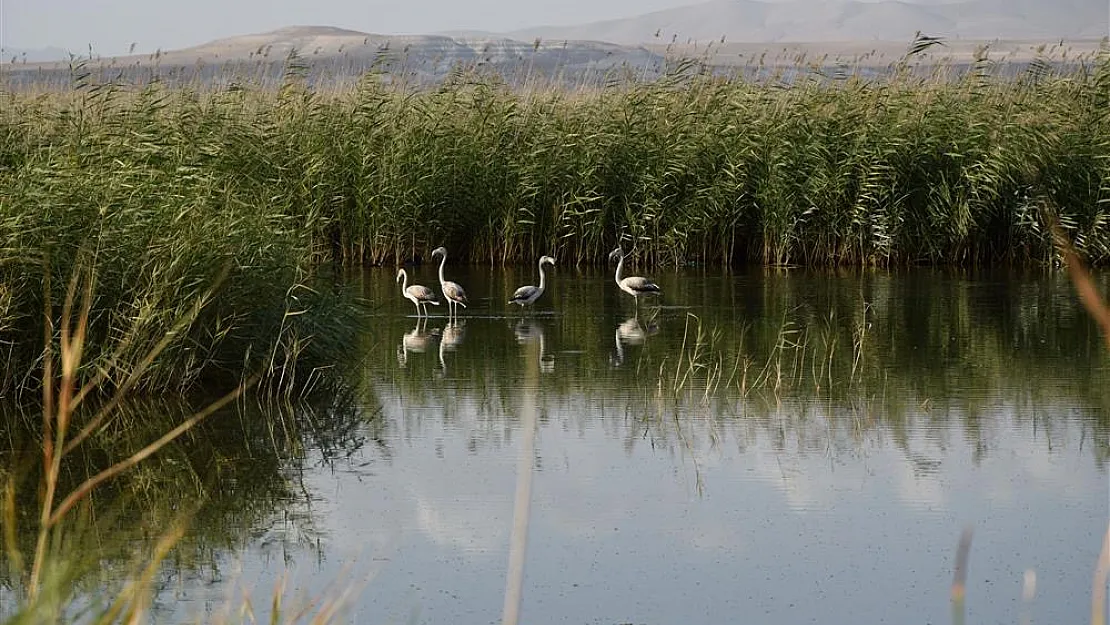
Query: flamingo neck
620, 264
404, 281
543, 276
442, 262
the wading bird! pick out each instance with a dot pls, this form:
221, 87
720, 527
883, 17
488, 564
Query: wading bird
451, 290
633, 285
417, 294
527, 295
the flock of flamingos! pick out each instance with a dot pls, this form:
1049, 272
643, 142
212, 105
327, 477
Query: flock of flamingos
453, 292
450, 337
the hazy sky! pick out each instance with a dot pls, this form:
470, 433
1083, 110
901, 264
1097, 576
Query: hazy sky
111, 26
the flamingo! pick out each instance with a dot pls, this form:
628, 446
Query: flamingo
633, 285
417, 294
527, 295
451, 290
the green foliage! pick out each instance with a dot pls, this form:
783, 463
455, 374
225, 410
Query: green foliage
164, 189
165, 198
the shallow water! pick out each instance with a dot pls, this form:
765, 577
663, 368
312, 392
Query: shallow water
770, 446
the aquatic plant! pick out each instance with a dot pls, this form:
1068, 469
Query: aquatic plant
937, 167
168, 187
182, 257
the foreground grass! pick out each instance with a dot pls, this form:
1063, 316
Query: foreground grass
99, 492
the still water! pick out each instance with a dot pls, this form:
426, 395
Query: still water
766, 447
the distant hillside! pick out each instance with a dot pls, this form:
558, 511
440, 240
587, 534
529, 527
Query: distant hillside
335, 52
328, 55
37, 55
846, 20
328, 42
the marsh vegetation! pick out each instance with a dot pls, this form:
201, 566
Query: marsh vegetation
163, 189
163, 243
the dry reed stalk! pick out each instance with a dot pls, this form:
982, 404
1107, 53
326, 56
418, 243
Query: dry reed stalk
86, 487
518, 541
959, 576
134, 598
1100, 312
1084, 285
1098, 590
59, 404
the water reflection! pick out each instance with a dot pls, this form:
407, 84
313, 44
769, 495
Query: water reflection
450, 339
632, 331
237, 479
530, 331
416, 341
816, 441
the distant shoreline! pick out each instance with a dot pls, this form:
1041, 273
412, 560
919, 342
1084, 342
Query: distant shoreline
951, 50
325, 43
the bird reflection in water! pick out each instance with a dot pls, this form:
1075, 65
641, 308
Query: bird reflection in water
416, 341
450, 339
530, 331
632, 331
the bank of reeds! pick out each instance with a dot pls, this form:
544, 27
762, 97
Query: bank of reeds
938, 169
152, 199
166, 189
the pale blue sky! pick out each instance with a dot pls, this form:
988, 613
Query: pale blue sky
111, 26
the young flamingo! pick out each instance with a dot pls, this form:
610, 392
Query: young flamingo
451, 290
527, 295
417, 294
633, 285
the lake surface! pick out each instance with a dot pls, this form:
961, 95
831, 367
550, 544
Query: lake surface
768, 446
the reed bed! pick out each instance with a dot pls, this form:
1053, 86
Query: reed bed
187, 262
240, 197
941, 168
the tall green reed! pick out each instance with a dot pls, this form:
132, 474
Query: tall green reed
169, 187
158, 192
947, 167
